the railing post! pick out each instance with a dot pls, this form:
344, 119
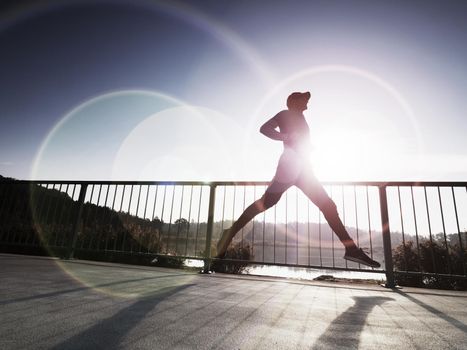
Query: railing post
212, 198
75, 227
383, 201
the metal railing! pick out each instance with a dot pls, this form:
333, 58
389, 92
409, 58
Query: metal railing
422, 221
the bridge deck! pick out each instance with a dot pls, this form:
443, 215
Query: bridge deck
49, 303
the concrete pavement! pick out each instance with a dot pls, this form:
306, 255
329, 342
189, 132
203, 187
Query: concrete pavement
48, 303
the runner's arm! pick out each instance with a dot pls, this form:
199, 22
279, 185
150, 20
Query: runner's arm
269, 129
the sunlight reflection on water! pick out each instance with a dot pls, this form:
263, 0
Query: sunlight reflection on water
299, 273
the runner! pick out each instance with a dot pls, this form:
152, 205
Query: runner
294, 169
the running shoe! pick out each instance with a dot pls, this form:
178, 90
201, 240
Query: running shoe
359, 256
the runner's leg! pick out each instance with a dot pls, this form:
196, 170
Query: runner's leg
311, 187
270, 198
313, 190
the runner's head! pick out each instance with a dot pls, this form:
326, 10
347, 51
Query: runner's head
298, 101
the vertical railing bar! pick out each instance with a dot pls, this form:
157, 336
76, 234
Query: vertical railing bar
319, 239
170, 219
122, 214
129, 200
49, 203
234, 198
71, 210
9, 205
5, 192
356, 213
308, 231
23, 236
136, 217
275, 224
68, 216
16, 204
50, 212
155, 202
253, 231
332, 236
389, 267
30, 237
356, 216
26, 215
369, 221
264, 228
77, 219
3, 213
54, 215
458, 231
129, 218
61, 216
189, 221
199, 213
23, 217
43, 212
104, 230
4, 209
145, 234
444, 230
37, 212
86, 217
223, 210
146, 203
15, 209
110, 220
286, 223
429, 231
244, 196
162, 217
151, 246
95, 217
12, 211
296, 221
209, 228
180, 217
416, 230
343, 215
402, 228
138, 200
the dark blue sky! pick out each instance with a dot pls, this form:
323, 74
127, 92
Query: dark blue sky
226, 56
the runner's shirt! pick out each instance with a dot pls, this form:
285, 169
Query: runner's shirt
294, 124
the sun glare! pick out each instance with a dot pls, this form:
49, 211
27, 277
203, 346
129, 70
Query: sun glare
345, 156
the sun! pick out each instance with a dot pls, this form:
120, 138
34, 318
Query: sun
345, 155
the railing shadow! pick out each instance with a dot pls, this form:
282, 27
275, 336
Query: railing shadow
110, 332
355, 318
458, 324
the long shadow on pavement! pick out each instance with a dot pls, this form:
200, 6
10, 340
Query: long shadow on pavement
344, 331
452, 321
110, 332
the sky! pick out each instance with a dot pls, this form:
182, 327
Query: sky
157, 90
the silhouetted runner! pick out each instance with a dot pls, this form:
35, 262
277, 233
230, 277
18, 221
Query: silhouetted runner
294, 168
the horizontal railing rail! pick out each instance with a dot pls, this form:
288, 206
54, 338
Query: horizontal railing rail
413, 228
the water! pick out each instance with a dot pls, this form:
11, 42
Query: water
298, 272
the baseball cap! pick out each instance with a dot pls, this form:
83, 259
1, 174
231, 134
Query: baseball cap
294, 96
